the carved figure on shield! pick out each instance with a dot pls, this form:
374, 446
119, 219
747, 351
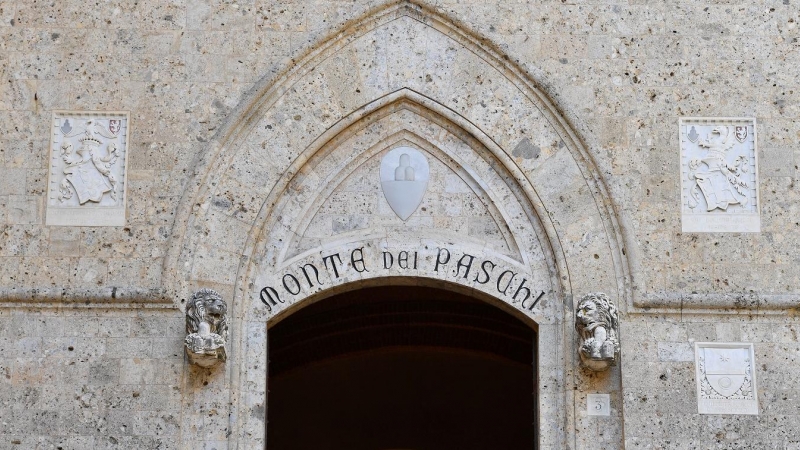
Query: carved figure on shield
721, 182
597, 325
88, 171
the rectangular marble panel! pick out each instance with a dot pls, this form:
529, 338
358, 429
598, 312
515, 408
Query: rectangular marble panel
598, 404
719, 175
725, 375
86, 176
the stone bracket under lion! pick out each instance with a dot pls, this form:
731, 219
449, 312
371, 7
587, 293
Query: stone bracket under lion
206, 328
597, 324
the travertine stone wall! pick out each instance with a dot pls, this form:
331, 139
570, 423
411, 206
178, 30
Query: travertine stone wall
78, 379
621, 73
659, 382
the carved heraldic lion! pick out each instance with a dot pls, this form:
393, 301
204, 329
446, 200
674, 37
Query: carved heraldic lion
206, 328
597, 325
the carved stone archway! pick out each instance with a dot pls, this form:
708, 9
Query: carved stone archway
256, 209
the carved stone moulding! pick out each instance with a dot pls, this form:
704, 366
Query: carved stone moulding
597, 324
719, 175
726, 379
206, 328
87, 172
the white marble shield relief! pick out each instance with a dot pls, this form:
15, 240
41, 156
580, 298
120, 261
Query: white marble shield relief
719, 175
88, 155
725, 378
725, 369
404, 178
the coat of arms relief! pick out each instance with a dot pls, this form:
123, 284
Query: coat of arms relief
725, 375
87, 168
719, 175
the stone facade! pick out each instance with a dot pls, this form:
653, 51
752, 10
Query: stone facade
255, 139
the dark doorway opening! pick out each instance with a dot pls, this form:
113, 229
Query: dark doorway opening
401, 368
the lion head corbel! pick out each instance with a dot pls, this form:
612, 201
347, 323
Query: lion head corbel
206, 328
597, 325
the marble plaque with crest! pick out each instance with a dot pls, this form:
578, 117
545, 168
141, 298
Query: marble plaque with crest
725, 374
719, 175
88, 157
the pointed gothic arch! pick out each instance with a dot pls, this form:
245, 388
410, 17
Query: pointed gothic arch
235, 219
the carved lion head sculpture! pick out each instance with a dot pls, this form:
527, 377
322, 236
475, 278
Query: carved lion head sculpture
597, 325
207, 306
596, 309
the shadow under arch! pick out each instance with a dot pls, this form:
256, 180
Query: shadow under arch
333, 137
402, 366
399, 281
248, 354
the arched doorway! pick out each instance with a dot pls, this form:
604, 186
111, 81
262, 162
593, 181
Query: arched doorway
402, 367
285, 206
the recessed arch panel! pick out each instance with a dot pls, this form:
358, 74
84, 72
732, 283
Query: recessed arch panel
257, 184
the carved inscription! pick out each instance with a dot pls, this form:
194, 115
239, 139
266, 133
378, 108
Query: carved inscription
459, 267
598, 404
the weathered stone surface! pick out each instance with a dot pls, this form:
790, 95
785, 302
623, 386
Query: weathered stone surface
255, 138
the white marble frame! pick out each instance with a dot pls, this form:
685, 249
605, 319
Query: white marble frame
89, 214
717, 221
707, 404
